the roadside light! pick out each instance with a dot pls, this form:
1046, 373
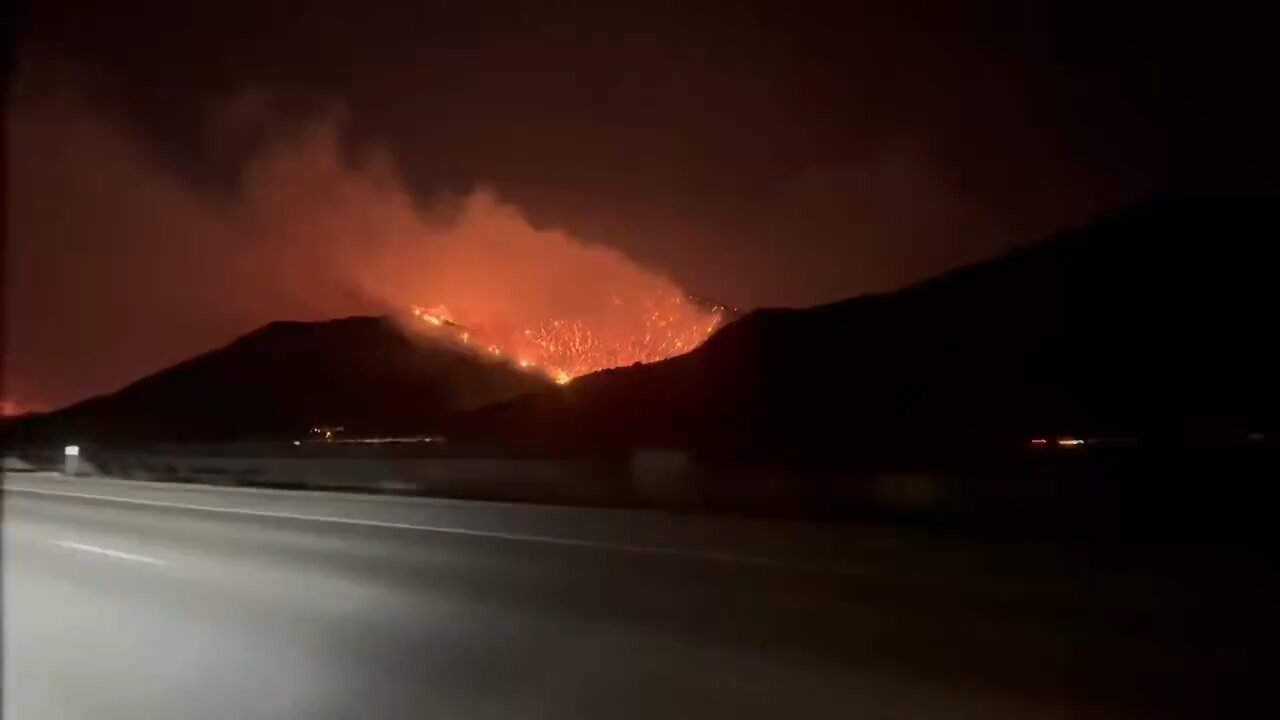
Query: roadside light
1069, 442
71, 451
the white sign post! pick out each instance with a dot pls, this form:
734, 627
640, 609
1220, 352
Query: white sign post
71, 460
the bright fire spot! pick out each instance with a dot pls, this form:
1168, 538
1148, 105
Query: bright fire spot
566, 348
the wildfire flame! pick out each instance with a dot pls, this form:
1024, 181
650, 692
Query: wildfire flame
566, 348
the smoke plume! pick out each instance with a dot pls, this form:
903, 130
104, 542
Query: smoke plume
119, 265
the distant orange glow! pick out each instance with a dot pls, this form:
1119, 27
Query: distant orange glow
11, 408
1069, 442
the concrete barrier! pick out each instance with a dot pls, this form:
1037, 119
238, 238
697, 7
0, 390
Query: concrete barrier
661, 477
532, 479
1082, 493
13, 464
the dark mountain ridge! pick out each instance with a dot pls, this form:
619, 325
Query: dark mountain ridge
1154, 321
362, 373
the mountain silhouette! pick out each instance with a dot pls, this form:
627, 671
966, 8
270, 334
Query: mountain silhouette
1155, 321
361, 373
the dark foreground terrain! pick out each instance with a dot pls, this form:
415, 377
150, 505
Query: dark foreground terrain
1150, 322
134, 601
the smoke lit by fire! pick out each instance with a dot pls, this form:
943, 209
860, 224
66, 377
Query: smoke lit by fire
538, 298
315, 228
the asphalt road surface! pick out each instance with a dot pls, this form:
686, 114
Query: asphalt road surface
137, 601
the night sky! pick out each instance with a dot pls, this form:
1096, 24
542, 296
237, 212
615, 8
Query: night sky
180, 176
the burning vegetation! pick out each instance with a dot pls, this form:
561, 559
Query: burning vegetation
538, 298
563, 348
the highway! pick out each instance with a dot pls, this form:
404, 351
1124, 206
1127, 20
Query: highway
138, 601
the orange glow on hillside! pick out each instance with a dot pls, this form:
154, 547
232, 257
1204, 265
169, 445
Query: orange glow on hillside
565, 348
12, 408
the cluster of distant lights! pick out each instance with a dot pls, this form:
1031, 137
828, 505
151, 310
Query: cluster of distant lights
1062, 442
327, 434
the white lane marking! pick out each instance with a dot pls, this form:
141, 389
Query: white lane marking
520, 537
117, 554
197, 488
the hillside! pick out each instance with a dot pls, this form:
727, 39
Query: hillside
1156, 321
362, 373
